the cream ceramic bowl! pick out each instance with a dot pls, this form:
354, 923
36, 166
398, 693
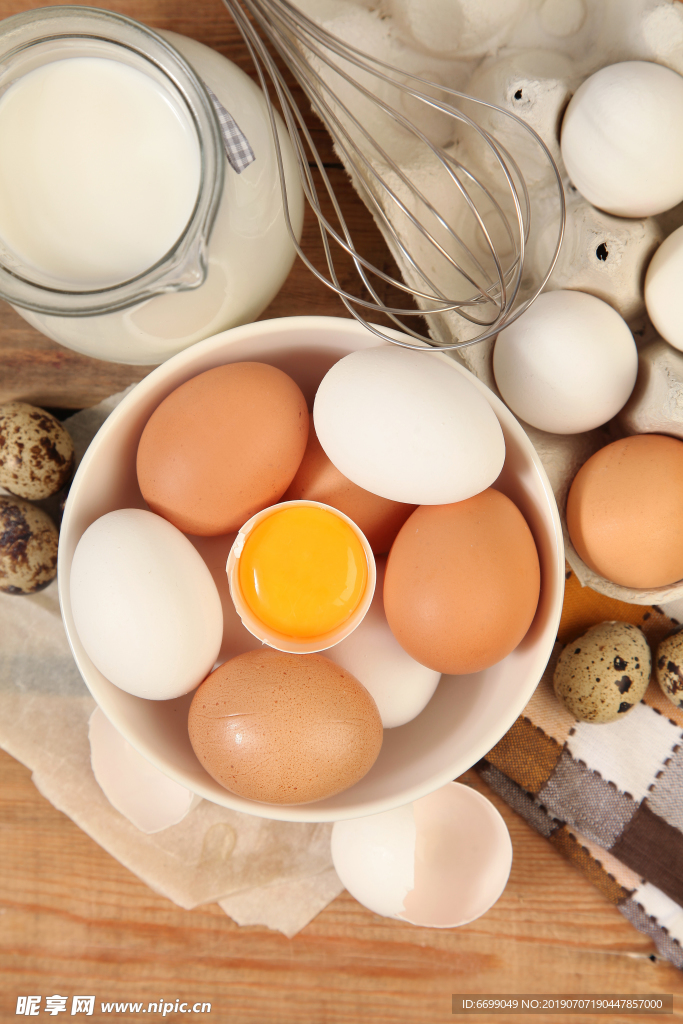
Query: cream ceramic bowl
467, 714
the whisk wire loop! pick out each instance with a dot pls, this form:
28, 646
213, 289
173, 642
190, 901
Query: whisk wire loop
444, 272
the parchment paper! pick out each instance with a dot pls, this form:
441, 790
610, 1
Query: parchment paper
272, 873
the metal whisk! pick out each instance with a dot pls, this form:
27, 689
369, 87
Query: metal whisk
461, 234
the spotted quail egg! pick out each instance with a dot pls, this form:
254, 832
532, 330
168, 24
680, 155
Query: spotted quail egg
36, 452
28, 546
669, 667
601, 675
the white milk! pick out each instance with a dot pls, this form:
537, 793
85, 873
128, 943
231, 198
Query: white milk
99, 174
249, 253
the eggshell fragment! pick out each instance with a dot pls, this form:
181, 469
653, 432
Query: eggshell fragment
462, 583
400, 686
409, 426
284, 728
374, 857
144, 605
441, 862
318, 479
28, 547
36, 451
134, 787
604, 673
669, 667
222, 446
568, 364
624, 511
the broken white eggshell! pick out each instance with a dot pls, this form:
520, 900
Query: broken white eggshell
134, 787
440, 862
399, 685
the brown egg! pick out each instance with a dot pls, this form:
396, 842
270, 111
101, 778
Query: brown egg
222, 446
624, 511
462, 583
284, 728
318, 479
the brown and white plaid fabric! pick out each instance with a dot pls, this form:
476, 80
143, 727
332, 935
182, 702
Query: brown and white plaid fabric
608, 797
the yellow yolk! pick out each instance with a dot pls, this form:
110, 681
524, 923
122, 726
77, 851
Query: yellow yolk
303, 571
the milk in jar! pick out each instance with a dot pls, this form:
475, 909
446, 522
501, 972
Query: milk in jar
99, 172
125, 232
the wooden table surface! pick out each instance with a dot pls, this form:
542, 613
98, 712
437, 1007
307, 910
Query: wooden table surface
74, 920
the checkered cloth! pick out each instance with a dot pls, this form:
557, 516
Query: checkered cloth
237, 148
608, 797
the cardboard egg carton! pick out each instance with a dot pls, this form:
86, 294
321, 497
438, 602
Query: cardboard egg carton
529, 56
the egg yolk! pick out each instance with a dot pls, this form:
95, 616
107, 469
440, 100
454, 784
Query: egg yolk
303, 571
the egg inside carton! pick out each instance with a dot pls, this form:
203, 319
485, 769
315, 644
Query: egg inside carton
529, 57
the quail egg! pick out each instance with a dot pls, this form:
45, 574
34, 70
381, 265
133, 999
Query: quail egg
669, 667
36, 452
28, 547
601, 675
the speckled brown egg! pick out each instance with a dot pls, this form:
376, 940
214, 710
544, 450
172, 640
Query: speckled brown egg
462, 583
624, 511
318, 479
36, 451
28, 547
222, 446
669, 667
284, 728
602, 674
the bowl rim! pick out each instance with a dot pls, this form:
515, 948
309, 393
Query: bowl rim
185, 361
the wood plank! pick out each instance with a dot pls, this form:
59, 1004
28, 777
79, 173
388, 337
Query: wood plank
74, 920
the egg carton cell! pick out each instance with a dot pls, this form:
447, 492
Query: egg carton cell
503, 55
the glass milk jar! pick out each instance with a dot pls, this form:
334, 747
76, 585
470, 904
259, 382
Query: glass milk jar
140, 200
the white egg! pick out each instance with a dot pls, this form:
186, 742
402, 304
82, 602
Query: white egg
441, 862
622, 139
568, 364
410, 426
664, 287
139, 791
398, 684
144, 605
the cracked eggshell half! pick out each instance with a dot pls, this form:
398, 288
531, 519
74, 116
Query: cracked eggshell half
267, 634
408, 426
440, 862
134, 787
